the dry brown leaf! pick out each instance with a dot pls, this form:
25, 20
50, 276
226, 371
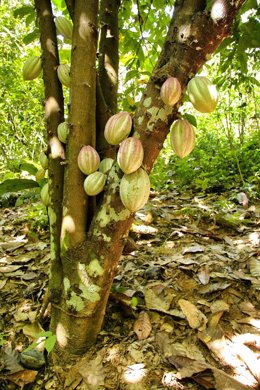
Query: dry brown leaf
226, 382
195, 318
142, 326
22, 378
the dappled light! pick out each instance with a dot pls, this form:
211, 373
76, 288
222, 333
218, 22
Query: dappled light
61, 335
135, 373
51, 107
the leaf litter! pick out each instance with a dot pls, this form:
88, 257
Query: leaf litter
183, 312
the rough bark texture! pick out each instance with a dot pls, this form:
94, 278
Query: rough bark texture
54, 115
193, 35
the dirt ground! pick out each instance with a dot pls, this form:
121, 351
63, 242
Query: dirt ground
183, 312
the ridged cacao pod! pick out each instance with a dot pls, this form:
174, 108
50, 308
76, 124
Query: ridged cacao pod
57, 149
95, 183
202, 94
182, 137
64, 27
32, 68
88, 160
171, 91
134, 190
45, 194
44, 160
63, 132
40, 174
106, 165
130, 155
118, 128
64, 74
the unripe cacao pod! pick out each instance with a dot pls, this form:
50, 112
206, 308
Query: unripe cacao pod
64, 74
106, 165
57, 149
44, 160
118, 128
202, 94
45, 194
63, 132
171, 91
40, 174
88, 160
95, 183
182, 137
64, 27
130, 155
134, 190
32, 68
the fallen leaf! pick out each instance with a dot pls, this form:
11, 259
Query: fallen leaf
142, 326
195, 318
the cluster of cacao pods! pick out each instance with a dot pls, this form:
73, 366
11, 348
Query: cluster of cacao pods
203, 96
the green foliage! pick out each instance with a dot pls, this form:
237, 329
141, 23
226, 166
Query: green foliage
49, 341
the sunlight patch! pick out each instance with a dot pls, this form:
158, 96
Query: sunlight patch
61, 334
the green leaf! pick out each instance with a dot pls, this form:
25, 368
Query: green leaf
60, 4
15, 185
25, 10
28, 167
50, 342
190, 118
32, 36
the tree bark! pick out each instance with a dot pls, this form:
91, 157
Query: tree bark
194, 34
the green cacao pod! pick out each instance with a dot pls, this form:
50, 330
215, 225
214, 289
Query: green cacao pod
64, 27
57, 149
202, 94
88, 160
106, 165
118, 128
130, 155
171, 91
182, 137
40, 174
32, 68
95, 183
64, 74
45, 194
134, 190
44, 160
63, 132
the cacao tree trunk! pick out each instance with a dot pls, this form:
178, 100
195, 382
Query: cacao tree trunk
90, 248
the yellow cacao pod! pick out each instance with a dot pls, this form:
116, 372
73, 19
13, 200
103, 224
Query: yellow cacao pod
130, 155
202, 94
44, 160
40, 174
32, 68
118, 128
64, 74
171, 91
182, 137
106, 165
64, 27
63, 132
45, 194
88, 160
95, 183
134, 190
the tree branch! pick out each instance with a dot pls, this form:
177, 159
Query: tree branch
54, 115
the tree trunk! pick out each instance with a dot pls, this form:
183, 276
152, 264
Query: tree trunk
90, 256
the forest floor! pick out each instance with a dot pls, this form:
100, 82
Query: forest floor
184, 312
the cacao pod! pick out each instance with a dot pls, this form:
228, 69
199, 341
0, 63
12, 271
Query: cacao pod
95, 183
130, 155
57, 149
182, 137
32, 68
63, 132
88, 160
118, 128
64, 27
202, 94
106, 165
64, 74
44, 160
134, 190
40, 174
171, 91
45, 194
